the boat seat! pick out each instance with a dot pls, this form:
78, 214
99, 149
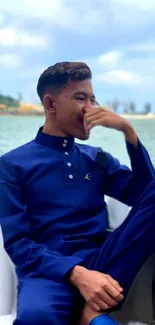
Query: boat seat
138, 306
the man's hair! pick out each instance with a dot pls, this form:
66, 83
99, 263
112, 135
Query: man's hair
60, 74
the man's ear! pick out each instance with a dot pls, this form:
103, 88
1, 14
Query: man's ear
49, 103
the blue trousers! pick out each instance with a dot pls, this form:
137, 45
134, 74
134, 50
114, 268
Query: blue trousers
41, 301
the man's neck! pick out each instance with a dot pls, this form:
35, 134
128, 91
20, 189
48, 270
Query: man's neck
50, 130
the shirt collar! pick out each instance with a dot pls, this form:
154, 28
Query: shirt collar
57, 143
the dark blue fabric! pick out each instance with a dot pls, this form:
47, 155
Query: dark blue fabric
53, 215
43, 301
127, 247
46, 302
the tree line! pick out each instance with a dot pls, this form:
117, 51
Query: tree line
129, 107
126, 107
9, 101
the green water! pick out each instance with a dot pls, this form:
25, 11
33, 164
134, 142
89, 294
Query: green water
17, 130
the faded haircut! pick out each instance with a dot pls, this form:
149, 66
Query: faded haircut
57, 76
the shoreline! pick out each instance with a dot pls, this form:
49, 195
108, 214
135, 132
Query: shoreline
21, 114
138, 116
127, 116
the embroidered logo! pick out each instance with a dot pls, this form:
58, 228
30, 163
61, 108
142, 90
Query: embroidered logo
88, 177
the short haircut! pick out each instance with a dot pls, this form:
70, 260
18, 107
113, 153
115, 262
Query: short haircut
60, 74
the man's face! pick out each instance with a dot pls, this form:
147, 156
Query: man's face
70, 105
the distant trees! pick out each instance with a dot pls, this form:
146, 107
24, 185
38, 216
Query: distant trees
125, 106
115, 105
128, 107
147, 108
132, 107
8, 102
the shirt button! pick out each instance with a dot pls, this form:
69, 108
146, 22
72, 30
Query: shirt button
69, 164
70, 176
64, 144
65, 141
66, 153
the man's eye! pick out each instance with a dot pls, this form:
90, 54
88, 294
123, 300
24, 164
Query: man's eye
80, 98
93, 102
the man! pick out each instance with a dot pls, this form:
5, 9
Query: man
53, 213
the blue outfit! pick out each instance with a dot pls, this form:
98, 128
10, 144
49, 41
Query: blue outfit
54, 216
103, 319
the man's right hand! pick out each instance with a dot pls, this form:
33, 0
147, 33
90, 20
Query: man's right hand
99, 290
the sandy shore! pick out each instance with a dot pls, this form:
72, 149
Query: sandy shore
139, 116
127, 116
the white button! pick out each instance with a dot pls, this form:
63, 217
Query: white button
65, 141
66, 153
70, 176
69, 164
64, 144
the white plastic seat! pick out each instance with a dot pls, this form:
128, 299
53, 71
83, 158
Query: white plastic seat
138, 305
7, 287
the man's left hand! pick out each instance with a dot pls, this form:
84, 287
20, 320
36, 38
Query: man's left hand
103, 117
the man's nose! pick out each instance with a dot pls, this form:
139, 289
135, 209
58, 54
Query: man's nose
88, 106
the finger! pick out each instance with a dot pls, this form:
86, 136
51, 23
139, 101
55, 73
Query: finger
107, 109
103, 304
96, 116
115, 283
108, 299
95, 123
113, 292
94, 306
92, 112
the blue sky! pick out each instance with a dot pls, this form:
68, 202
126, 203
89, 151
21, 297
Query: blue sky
115, 37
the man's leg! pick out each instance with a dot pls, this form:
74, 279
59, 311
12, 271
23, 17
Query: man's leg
127, 248
42, 301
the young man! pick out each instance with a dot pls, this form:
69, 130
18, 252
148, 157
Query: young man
54, 216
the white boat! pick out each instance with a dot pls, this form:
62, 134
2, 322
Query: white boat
138, 306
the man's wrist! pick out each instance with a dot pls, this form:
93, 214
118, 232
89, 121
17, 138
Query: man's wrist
76, 274
130, 135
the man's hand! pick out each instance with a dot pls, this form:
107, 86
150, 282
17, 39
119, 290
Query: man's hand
101, 116
99, 290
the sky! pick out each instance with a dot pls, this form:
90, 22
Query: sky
116, 38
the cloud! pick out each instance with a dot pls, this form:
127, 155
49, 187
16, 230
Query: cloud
12, 36
77, 15
1, 18
110, 58
146, 47
10, 61
120, 77
138, 4
31, 8
83, 16
133, 16
132, 65
116, 38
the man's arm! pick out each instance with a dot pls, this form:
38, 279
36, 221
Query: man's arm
32, 258
123, 183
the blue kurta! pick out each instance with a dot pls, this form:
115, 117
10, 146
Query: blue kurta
52, 207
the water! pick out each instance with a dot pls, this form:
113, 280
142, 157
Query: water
17, 130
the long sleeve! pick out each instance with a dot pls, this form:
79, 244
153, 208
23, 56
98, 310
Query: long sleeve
123, 183
31, 258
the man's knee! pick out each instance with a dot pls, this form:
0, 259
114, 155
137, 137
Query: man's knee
35, 316
150, 189
147, 197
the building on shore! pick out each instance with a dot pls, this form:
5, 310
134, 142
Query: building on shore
28, 108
